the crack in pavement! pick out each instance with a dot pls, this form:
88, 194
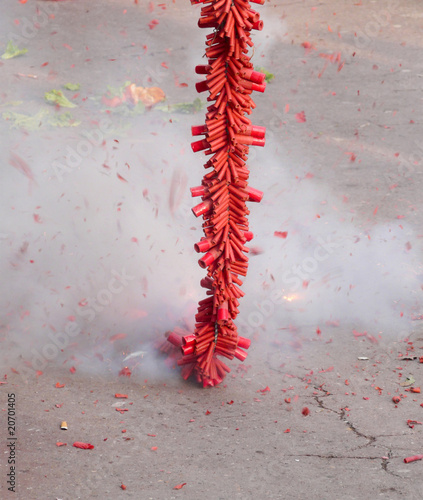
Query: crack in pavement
317, 455
371, 440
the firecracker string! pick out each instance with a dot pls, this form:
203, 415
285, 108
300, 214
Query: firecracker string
227, 134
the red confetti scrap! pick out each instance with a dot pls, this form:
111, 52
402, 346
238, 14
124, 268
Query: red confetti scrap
179, 486
208, 412
123, 486
280, 234
152, 24
21, 165
61, 444
287, 431
308, 47
305, 411
415, 389
300, 117
117, 395
266, 389
118, 336
151, 435
121, 178
72, 369
83, 446
125, 372
412, 423
121, 410
153, 448
37, 218
59, 385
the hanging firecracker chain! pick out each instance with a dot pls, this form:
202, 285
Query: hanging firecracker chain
228, 133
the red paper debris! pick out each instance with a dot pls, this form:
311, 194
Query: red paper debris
83, 446
305, 411
414, 458
179, 486
125, 372
117, 395
280, 234
266, 389
300, 117
152, 24
60, 444
59, 385
118, 336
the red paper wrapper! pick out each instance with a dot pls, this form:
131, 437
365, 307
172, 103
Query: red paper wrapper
83, 446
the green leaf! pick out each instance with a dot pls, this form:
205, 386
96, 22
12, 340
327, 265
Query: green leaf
269, 76
63, 120
410, 380
13, 51
182, 107
25, 121
40, 119
72, 86
117, 91
57, 97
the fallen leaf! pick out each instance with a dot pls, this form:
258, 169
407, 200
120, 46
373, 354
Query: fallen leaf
13, 51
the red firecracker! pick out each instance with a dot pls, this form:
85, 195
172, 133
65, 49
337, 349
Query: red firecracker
227, 135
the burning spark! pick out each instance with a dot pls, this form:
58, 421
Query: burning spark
290, 298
